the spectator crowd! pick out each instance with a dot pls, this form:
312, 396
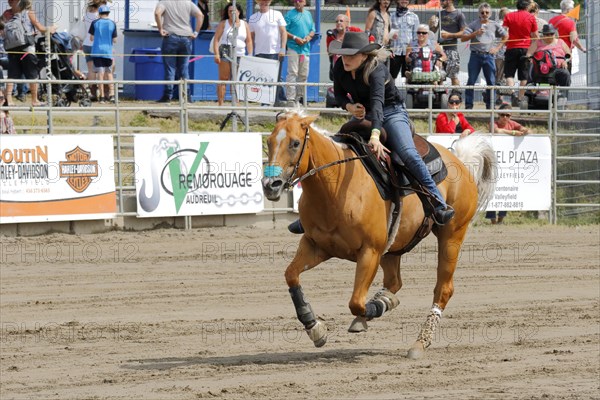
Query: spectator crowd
502, 47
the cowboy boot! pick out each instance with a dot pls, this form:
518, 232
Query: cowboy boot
296, 227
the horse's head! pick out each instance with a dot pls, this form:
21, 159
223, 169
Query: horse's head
287, 153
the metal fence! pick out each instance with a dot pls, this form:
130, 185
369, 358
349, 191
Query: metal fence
574, 131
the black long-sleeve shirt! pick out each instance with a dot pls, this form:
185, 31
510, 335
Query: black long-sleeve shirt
380, 92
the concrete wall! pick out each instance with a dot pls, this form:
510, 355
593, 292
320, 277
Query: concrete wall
128, 221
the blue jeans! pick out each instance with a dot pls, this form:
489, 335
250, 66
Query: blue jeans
175, 53
478, 62
400, 141
492, 214
279, 93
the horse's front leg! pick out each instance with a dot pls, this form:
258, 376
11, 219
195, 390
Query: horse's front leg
307, 256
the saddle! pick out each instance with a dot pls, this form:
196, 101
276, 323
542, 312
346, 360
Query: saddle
392, 179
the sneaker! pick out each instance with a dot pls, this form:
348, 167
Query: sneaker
296, 227
20, 97
111, 99
442, 216
281, 103
164, 99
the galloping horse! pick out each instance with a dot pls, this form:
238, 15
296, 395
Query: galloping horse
344, 216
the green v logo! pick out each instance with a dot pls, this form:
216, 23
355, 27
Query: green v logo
179, 191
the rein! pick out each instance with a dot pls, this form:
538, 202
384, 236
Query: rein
293, 182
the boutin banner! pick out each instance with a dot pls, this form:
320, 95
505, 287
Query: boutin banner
56, 178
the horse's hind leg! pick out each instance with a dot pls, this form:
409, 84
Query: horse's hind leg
307, 256
449, 243
385, 299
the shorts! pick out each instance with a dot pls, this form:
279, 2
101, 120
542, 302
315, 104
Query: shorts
23, 64
87, 50
453, 63
514, 63
102, 64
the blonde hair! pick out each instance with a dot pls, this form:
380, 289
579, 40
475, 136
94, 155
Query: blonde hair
25, 5
374, 58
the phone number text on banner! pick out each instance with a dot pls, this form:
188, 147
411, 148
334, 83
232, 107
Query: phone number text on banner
524, 171
198, 174
56, 178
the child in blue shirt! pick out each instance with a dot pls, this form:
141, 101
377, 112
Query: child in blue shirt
103, 34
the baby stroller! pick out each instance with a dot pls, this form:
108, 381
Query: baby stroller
61, 68
424, 71
544, 66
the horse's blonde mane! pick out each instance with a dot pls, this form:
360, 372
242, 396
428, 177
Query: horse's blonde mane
301, 114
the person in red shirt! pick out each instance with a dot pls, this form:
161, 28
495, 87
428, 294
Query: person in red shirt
342, 25
453, 121
567, 31
522, 27
506, 125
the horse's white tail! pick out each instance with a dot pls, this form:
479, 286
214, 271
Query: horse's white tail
477, 153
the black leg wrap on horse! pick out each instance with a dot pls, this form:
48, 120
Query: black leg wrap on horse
304, 311
375, 309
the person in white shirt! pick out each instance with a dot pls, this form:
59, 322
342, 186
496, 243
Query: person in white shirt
269, 37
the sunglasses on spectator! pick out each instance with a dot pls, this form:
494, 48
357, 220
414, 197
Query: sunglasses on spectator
505, 115
454, 102
422, 33
484, 13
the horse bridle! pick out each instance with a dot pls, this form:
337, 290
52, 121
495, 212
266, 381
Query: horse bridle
290, 183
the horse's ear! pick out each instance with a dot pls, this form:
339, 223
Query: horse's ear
306, 121
280, 116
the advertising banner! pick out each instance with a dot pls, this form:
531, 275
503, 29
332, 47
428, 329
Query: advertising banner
198, 174
524, 171
257, 70
56, 178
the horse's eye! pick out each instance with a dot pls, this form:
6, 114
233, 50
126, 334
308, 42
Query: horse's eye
294, 144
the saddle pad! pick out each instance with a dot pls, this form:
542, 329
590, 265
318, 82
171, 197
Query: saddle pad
379, 171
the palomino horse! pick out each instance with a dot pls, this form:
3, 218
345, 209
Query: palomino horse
344, 216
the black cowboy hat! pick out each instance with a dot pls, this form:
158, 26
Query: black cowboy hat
548, 29
353, 43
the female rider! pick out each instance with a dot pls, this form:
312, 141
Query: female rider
362, 74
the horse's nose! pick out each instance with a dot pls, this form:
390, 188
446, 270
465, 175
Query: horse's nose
272, 187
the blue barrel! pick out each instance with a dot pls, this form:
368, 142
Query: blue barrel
148, 67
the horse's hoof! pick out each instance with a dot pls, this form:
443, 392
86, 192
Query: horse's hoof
318, 334
416, 352
358, 325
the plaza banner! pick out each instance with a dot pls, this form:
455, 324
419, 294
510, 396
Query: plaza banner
198, 174
524, 171
56, 178
257, 70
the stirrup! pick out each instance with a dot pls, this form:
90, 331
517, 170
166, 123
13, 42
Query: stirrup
442, 216
296, 227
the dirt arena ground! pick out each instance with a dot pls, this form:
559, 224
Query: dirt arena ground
170, 314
